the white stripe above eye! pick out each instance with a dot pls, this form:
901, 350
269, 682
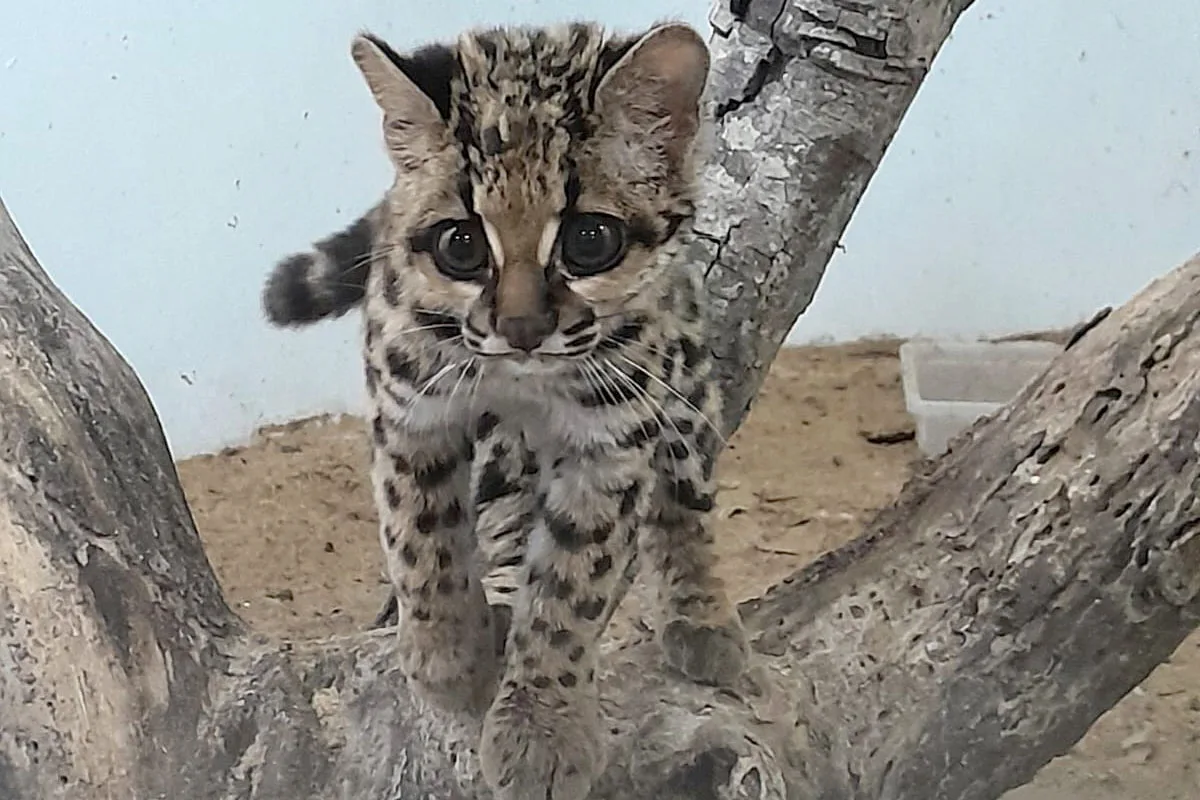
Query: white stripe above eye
546, 243
493, 237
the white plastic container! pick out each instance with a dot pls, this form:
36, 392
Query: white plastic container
949, 385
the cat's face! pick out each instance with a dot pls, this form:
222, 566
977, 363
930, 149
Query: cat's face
540, 177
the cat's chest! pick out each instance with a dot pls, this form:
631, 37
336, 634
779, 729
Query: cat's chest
549, 414
551, 420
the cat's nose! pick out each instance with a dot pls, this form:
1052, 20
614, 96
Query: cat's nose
527, 332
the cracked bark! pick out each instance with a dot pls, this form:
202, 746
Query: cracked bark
1018, 588
807, 95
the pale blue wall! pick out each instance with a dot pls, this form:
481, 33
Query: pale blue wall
1049, 166
160, 156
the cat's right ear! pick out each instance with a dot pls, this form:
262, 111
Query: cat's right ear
412, 121
395, 92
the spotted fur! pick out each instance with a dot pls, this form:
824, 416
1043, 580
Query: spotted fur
536, 431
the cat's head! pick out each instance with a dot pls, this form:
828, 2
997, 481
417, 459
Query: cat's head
541, 175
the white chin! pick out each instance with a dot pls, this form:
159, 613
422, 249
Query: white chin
532, 365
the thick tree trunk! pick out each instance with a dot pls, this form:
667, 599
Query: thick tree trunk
1018, 589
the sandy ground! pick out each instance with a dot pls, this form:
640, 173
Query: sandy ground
289, 525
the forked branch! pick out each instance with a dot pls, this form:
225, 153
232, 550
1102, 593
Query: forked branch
1018, 588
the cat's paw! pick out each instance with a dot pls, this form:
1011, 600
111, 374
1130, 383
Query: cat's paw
454, 666
705, 652
542, 743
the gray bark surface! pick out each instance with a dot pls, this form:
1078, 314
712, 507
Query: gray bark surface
1018, 588
807, 96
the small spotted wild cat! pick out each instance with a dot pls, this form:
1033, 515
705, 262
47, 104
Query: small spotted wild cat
537, 371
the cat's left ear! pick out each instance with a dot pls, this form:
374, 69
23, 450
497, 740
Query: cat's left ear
658, 84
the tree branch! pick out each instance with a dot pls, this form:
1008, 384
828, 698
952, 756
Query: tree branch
807, 96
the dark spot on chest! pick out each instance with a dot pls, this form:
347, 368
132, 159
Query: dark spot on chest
435, 473
486, 424
629, 498
615, 393
493, 484
601, 567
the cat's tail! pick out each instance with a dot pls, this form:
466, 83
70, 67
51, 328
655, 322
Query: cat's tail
327, 280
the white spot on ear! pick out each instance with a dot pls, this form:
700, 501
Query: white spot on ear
493, 237
546, 243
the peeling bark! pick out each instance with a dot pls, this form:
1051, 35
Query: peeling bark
1019, 587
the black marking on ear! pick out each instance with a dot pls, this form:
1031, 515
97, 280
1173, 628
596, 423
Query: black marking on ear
430, 68
610, 54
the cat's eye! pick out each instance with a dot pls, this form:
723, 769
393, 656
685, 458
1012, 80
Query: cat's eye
591, 243
460, 249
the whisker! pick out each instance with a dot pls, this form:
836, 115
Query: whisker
629, 344
441, 373
465, 367
642, 392
433, 345
629, 317
462, 373
330, 282
420, 328
589, 380
368, 260
603, 388
639, 394
678, 395
473, 395
627, 347
656, 410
